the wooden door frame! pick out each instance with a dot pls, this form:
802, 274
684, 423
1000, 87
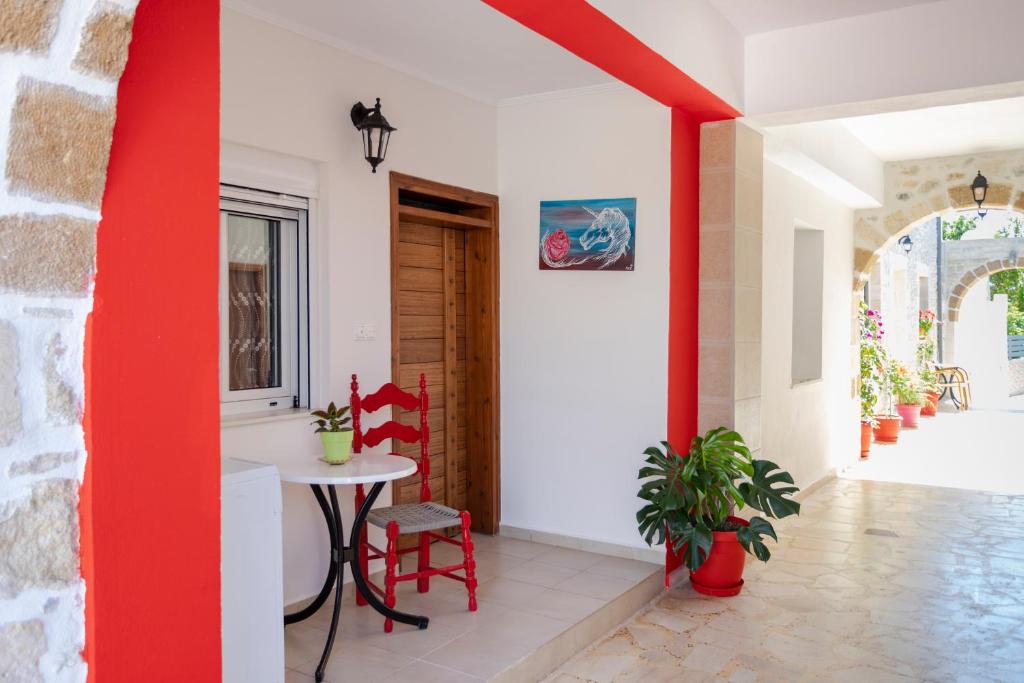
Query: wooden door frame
483, 417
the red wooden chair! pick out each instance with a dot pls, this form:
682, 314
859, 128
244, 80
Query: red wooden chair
423, 518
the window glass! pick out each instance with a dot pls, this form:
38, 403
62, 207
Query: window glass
254, 313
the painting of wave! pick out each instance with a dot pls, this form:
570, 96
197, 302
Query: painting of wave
588, 234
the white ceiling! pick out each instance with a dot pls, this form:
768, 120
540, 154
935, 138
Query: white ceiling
942, 131
760, 16
463, 45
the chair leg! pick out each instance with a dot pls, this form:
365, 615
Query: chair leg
423, 563
390, 569
467, 552
362, 552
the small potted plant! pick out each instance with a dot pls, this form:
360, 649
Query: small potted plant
872, 372
690, 500
929, 379
905, 389
334, 435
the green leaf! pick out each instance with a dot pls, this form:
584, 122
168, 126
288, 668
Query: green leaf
694, 541
319, 413
768, 489
750, 537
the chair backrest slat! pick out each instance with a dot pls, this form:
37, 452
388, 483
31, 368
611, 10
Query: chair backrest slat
390, 394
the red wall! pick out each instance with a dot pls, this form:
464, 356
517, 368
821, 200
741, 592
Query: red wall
151, 502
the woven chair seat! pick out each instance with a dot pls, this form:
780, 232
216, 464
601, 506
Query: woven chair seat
415, 517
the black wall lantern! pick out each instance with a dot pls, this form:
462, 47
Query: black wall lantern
980, 188
376, 132
906, 243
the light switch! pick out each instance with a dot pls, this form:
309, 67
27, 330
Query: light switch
365, 331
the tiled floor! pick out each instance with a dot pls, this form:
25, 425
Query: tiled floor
529, 595
874, 581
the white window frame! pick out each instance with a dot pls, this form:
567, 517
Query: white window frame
292, 212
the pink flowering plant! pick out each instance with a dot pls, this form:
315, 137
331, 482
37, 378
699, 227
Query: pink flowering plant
873, 361
925, 322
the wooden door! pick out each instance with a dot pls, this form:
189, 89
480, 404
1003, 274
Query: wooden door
445, 325
432, 340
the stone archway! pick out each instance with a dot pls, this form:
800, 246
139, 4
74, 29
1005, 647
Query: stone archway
969, 278
65, 59
919, 189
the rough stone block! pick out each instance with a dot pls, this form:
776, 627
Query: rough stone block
717, 144
27, 26
60, 143
44, 462
50, 255
10, 405
717, 193
61, 403
22, 645
39, 538
104, 48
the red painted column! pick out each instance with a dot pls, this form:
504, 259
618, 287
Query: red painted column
151, 523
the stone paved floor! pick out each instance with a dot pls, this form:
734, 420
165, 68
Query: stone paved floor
875, 581
991, 441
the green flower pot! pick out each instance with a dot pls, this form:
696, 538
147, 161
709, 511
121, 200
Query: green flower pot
337, 446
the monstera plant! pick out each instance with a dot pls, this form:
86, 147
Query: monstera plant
691, 500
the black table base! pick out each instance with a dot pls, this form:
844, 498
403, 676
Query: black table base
340, 556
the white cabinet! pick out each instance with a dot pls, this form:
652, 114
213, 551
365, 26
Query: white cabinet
252, 627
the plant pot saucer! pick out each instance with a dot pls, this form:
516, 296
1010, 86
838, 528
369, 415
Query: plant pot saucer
333, 462
716, 591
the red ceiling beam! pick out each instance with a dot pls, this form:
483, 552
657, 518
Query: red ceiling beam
584, 31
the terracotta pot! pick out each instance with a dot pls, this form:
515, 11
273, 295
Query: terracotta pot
910, 412
888, 429
865, 439
931, 405
722, 572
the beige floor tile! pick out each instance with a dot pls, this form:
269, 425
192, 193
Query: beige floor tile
365, 664
547, 575
478, 655
557, 604
292, 676
623, 568
506, 591
425, 672
524, 628
595, 585
569, 558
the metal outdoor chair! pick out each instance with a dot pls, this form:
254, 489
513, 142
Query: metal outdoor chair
956, 382
425, 518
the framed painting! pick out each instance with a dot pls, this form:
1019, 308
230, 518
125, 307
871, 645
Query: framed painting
588, 234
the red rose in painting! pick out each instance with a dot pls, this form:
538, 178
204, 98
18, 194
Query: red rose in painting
556, 245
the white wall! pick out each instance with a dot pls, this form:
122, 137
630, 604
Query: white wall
584, 354
290, 95
980, 345
809, 429
923, 48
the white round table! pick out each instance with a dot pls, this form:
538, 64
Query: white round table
364, 468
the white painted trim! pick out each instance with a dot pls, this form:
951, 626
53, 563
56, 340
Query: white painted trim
655, 555
568, 93
332, 41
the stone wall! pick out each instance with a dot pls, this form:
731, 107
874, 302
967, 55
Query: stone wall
1016, 379
918, 189
60, 61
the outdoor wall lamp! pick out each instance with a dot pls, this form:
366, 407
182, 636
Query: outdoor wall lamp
980, 188
376, 132
906, 243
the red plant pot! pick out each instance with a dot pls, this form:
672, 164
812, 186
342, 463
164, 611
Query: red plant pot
722, 572
865, 439
910, 413
931, 405
888, 429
